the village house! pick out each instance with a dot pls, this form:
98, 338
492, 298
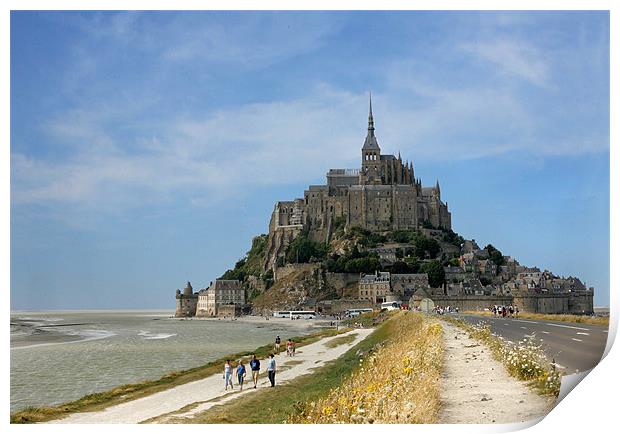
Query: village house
221, 298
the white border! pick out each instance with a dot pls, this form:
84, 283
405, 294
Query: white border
590, 407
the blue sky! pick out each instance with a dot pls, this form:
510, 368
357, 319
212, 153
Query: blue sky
148, 148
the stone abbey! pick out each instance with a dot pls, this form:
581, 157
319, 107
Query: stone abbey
383, 194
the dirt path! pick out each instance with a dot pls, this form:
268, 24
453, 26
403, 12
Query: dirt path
188, 399
475, 388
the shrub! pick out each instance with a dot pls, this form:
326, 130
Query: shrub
302, 250
524, 360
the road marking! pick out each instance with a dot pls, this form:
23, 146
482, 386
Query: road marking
524, 328
582, 333
522, 320
506, 323
544, 332
578, 340
568, 327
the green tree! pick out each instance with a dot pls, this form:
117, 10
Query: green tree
400, 267
435, 272
302, 249
413, 262
495, 255
453, 238
363, 265
425, 245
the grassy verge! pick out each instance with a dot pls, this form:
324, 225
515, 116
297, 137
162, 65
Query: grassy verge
398, 383
582, 319
524, 360
128, 392
275, 405
341, 341
368, 319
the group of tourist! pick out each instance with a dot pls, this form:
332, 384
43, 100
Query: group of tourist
240, 369
505, 311
440, 310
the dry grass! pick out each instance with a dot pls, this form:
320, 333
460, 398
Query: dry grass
524, 360
581, 319
397, 383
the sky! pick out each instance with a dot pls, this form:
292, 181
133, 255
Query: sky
148, 148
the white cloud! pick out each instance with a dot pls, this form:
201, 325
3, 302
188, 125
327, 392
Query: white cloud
516, 58
208, 156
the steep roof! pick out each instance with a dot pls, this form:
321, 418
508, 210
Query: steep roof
371, 140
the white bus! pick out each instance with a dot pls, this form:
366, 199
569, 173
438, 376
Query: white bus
295, 314
390, 305
351, 313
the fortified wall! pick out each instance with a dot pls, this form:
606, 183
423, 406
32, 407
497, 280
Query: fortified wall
533, 303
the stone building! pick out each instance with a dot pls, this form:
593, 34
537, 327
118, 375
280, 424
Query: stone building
375, 288
383, 194
404, 285
221, 298
384, 286
186, 302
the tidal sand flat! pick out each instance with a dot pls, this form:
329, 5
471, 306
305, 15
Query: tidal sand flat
61, 356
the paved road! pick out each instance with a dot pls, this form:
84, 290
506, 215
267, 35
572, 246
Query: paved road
575, 347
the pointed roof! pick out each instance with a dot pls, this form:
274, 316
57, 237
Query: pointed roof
371, 140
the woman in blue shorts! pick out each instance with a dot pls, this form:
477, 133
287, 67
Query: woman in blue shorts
240, 373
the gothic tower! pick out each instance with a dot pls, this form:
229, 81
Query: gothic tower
371, 154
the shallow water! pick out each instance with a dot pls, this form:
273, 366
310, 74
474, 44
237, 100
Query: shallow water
61, 356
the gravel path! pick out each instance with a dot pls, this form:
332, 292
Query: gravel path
210, 391
475, 388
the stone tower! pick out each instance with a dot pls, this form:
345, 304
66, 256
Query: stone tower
187, 302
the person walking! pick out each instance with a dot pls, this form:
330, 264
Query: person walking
276, 346
227, 375
240, 374
289, 348
255, 367
292, 348
271, 370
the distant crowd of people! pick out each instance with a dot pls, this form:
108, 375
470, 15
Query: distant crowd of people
505, 311
440, 310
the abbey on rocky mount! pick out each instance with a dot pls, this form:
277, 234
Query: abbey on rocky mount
383, 194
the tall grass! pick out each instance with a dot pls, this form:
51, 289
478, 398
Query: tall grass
396, 383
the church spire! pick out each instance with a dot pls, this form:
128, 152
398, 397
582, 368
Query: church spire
371, 121
371, 140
